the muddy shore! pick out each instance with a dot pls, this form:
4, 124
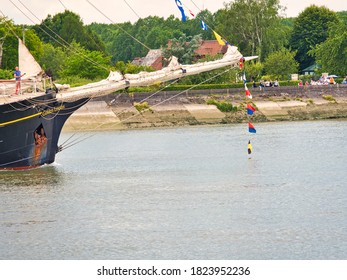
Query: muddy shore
170, 109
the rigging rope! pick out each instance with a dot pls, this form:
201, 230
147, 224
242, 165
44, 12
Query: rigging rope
62, 4
80, 138
126, 2
118, 26
64, 44
87, 33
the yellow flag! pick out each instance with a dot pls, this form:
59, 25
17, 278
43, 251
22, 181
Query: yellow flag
219, 38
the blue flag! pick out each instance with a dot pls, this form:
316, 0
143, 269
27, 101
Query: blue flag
180, 7
203, 25
250, 109
244, 78
251, 128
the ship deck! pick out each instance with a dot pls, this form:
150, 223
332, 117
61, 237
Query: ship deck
7, 98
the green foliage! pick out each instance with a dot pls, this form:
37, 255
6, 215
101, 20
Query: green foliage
52, 60
222, 106
183, 48
310, 29
9, 43
33, 43
253, 69
5, 26
85, 64
6, 74
129, 68
280, 64
332, 53
276, 37
342, 16
69, 27
252, 25
153, 31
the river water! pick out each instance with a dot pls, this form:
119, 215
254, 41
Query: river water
184, 193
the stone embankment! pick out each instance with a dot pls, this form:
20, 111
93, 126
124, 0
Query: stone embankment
173, 108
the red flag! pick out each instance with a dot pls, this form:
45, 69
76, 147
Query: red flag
250, 109
248, 93
191, 13
251, 128
241, 62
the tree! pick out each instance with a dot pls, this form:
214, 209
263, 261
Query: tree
32, 42
52, 60
183, 48
85, 63
342, 16
5, 27
253, 69
248, 23
64, 28
9, 34
310, 29
332, 53
276, 37
281, 64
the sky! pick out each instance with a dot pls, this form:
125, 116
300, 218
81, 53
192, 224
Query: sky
115, 11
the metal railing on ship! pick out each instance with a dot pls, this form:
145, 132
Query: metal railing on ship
8, 87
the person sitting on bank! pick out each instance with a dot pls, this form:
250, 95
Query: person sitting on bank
18, 76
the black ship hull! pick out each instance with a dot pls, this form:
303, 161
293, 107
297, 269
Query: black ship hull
30, 130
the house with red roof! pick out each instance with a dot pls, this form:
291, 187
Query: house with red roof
207, 48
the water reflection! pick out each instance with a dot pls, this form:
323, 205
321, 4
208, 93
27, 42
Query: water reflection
45, 177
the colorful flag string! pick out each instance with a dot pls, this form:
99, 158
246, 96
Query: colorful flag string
250, 112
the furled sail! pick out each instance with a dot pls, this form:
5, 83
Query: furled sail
173, 71
27, 63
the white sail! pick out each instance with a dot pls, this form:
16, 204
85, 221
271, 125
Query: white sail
27, 63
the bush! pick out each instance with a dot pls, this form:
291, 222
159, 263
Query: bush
6, 74
329, 98
142, 106
222, 106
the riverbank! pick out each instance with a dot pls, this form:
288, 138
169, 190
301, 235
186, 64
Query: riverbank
170, 109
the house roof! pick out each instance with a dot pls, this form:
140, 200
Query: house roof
151, 57
211, 47
154, 57
312, 67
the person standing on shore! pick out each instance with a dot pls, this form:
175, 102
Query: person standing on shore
18, 75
